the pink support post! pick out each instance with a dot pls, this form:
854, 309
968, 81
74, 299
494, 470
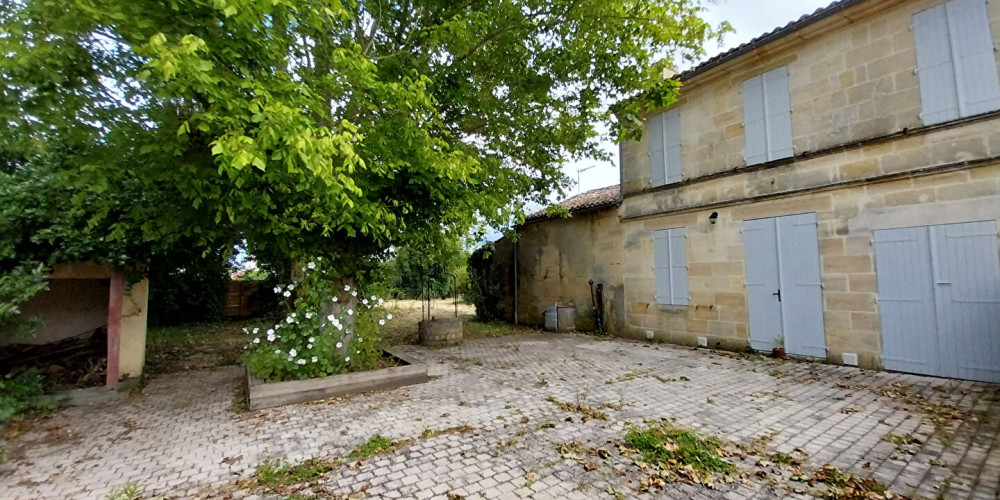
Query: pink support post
115, 300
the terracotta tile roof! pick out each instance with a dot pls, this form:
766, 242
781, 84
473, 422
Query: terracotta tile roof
605, 197
766, 38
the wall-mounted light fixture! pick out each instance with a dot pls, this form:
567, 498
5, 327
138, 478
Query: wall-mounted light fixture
713, 218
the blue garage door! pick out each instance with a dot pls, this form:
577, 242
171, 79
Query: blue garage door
939, 299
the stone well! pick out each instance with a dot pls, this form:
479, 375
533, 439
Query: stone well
439, 332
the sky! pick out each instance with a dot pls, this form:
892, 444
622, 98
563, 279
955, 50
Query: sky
750, 18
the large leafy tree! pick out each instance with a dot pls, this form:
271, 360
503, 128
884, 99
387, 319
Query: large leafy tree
310, 127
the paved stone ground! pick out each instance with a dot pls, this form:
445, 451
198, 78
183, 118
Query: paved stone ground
181, 440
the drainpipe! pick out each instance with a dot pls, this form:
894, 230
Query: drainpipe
516, 272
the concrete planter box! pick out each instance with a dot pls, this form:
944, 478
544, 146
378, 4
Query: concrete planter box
262, 394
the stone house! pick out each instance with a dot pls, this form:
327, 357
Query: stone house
832, 187
555, 259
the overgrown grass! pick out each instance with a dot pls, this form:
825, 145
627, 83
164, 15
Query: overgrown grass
275, 473
192, 347
667, 445
375, 445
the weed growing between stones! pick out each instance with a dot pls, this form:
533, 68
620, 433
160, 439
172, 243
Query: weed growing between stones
586, 411
843, 486
463, 429
376, 445
131, 491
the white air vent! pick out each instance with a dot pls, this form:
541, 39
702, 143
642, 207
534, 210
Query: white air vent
850, 359
702, 341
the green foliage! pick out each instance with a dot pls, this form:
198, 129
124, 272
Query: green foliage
131, 491
664, 444
16, 287
329, 330
442, 269
187, 286
307, 127
485, 287
23, 395
375, 444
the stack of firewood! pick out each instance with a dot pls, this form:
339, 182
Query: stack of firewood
79, 361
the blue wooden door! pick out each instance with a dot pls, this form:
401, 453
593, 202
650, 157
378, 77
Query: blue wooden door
783, 284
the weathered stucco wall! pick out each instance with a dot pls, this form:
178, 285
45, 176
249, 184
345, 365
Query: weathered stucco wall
69, 307
77, 302
558, 257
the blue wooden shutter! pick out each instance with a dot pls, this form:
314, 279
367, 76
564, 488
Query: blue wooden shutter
778, 113
678, 267
657, 176
661, 265
672, 145
935, 67
975, 66
753, 121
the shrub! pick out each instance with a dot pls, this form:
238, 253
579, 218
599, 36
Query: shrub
330, 329
16, 287
23, 395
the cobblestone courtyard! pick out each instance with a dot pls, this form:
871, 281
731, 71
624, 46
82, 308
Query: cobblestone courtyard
182, 439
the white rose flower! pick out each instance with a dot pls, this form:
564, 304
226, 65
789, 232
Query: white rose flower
350, 312
373, 297
277, 289
270, 338
310, 346
388, 316
311, 340
256, 340
347, 359
340, 344
340, 327
315, 359
309, 315
289, 320
292, 353
291, 287
335, 299
255, 330
347, 288
354, 294
277, 351
301, 362
364, 302
287, 294
311, 265
381, 301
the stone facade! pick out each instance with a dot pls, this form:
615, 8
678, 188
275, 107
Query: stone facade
557, 258
863, 161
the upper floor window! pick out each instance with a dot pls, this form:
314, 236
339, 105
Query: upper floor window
670, 266
665, 148
955, 62
767, 117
